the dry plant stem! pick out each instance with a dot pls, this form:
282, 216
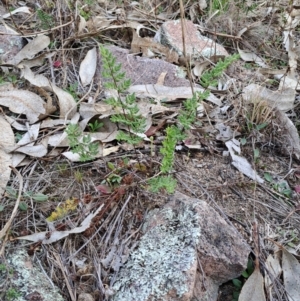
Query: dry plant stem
8, 224
51, 68
255, 235
182, 19
90, 238
37, 33
220, 34
12, 18
57, 257
62, 42
78, 102
122, 209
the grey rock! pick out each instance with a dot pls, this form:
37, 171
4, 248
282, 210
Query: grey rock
176, 238
10, 45
28, 280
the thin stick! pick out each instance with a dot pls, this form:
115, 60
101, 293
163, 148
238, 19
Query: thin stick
187, 63
37, 33
8, 224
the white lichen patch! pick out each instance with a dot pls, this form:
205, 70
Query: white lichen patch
163, 258
28, 280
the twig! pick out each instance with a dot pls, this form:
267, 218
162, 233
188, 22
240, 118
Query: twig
8, 224
78, 102
65, 276
37, 33
187, 62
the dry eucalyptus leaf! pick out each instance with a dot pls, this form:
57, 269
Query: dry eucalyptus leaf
200, 67
88, 67
26, 144
31, 135
291, 275
31, 49
67, 104
89, 110
16, 125
241, 163
57, 235
109, 150
274, 268
102, 23
17, 159
283, 100
23, 102
59, 140
289, 81
81, 24
168, 93
252, 57
7, 141
253, 289
289, 135
35, 62
49, 123
22, 9
37, 151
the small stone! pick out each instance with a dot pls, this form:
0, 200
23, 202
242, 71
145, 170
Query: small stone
85, 297
196, 45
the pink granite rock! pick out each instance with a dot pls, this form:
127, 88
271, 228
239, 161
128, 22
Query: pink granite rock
186, 252
197, 45
144, 71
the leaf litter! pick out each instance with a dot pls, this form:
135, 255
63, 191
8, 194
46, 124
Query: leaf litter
41, 119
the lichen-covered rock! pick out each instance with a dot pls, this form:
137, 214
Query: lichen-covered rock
196, 45
177, 239
164, 265
27, 280
10, 44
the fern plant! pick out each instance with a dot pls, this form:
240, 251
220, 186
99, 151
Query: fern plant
166, 181
209, 78
188, 115
46, 20
128, 112
186, 118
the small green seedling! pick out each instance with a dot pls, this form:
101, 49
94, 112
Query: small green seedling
163, 182
281, 187
238, 283
256, 155
36, 197
94, 126
81, 145
113, 179
78, 175
46, 20
12, 294
2, 267
72, 89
